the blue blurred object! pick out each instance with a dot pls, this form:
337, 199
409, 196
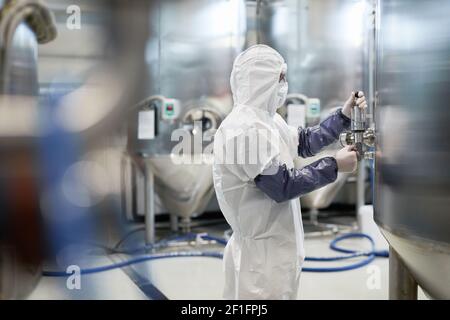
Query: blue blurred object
58, 150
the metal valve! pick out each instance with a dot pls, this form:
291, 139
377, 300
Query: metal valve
358, 135
369, 137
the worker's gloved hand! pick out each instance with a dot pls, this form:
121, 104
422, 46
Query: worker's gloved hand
346, 159
350, 103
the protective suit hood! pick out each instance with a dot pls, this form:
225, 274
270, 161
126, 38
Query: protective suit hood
255, 79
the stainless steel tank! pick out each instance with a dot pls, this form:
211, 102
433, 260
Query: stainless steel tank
326, 46
324, 43
190, 55
412, 196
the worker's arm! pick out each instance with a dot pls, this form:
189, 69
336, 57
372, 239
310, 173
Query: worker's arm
287, 184
312, 140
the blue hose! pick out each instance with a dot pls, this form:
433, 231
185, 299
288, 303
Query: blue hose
166, 242
370, 255
136, 261
349, 254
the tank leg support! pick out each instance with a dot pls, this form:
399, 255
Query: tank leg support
314, 216
149, 205
173, 222
186, 225
402, 285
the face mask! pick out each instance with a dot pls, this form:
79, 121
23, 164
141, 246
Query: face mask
282, 93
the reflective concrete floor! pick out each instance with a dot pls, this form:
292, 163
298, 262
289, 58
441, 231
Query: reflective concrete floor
202, 278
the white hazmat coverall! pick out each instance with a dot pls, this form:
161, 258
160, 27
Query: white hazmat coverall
264, 256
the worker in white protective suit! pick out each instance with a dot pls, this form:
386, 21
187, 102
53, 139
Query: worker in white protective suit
256, 184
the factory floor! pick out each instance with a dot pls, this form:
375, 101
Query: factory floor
202, 277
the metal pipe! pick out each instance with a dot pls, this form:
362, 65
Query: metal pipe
314, 216
360, 185
149, 204
402, 285
358, 126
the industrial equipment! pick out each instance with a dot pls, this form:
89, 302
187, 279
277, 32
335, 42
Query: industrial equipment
358, 126
176, 153
190, 66
359, 135
326, 46
412, 178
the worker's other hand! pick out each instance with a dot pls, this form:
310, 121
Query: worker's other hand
352, 102
346, 159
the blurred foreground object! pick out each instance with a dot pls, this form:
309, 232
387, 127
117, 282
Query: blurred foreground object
43, 145
23, 24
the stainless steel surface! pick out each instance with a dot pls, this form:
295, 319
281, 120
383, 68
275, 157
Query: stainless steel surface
361, 138
184, 189
358, 118
412, 196
402, 285
346, 138
190, 55
15, 15
193, 45
173, 223
149, 205
183, 180
19, 61
360, 185
425, 259
324, 44
369, 137
326, 47
358, 126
